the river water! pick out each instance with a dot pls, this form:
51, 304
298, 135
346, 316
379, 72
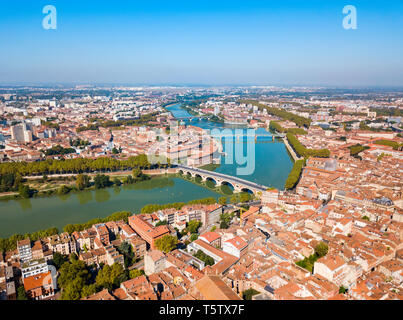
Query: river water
271, 161
271, 167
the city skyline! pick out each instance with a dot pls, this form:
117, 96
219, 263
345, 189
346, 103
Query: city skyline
229, 43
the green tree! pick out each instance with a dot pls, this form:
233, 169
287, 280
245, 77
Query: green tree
82, 181
59, 150
134, 273
129, 180
101, 181
209, 200
194, 225
294, 175
244, 197
126, 249
9, 182
117, 182
209, 261
166, 244
161, 223
73, 277
224, 225
59, 259
63, 190
137, 173
321, 249
21, 294
88, 290
234, 198
25, 191
78, 165
73, 257
225, 220
110, 277
248, 294
72, 290
356, 149
395, 145
222, 201
194, 237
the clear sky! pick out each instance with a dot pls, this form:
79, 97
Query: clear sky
202, 42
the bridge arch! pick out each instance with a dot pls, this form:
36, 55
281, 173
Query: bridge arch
250, 191
229, 184
211, 183
212, 180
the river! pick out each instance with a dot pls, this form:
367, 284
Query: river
272, 161
272, 165
29, 215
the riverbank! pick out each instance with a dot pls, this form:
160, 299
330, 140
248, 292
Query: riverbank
10, 243
291, 150
49, 188
38, 213
52, 184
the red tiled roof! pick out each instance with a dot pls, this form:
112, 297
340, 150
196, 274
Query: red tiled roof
210, 236
237, 242
37, 281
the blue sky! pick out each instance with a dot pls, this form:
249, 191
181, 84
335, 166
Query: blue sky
202, 42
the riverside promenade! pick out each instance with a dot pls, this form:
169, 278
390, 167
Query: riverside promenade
291, 150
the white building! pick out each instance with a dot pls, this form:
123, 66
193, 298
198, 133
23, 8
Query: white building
235, 246
331, 267
154, 261
34, 267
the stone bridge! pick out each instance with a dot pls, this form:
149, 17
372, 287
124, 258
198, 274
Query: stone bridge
255, 136
239, 185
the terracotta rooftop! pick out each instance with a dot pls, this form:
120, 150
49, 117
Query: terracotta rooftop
155, 255
237, 242
213, 288
37, 281
102, 295
210, 236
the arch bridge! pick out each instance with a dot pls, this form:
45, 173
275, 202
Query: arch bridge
238, 184
255, 136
